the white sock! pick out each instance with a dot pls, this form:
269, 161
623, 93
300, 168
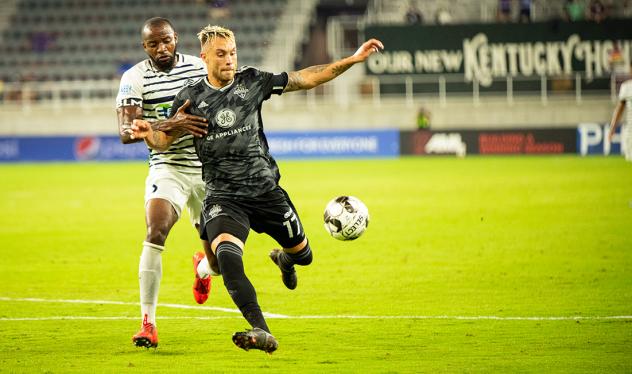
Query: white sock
149, 275
204, 269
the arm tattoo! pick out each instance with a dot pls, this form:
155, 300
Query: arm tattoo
294, 81
337, 70
314, 75
316, 68
157, 140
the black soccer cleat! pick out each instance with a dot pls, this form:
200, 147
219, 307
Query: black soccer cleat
288, 276
255, 339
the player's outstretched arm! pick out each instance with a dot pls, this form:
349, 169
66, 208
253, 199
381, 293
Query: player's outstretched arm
182, 122
177, 125
155, 139
316, 75
616, 116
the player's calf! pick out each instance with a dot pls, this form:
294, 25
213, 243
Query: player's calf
286, 261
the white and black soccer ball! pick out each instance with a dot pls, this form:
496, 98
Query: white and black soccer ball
346, 217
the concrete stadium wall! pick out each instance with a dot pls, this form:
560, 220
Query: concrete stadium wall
94, 118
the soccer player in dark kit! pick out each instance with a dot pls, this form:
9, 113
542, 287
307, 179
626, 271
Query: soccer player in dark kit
241, 177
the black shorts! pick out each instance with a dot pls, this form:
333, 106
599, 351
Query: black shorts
272, 213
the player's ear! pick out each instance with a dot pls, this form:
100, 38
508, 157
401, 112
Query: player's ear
175, 37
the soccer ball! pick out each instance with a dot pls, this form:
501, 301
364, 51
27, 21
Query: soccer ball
346, 217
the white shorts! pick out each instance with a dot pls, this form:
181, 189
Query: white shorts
180, 189
626, 141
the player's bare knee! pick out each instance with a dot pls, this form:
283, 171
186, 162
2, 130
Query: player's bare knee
225, 237
297, 248
157, 234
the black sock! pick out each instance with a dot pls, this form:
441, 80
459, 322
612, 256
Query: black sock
238, 285
252, 313
302, 257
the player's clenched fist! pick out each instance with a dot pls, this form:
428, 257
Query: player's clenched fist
140, 129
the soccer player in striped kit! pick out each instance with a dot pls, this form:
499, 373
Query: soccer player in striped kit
242, 177
624, 104
174, 181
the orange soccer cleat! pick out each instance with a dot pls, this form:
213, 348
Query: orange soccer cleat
201, 286
147, 336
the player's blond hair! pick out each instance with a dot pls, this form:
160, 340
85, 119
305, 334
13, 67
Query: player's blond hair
211, 32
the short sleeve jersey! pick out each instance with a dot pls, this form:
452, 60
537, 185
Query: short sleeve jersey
236, 161
154, 90
625, 94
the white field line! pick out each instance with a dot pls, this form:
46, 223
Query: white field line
109, 302
274, 315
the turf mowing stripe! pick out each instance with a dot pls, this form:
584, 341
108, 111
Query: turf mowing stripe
281, 316
93, 318
467, 318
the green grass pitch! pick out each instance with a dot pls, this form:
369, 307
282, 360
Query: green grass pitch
482, 264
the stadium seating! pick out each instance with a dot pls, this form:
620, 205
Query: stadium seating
76, 40
468, 11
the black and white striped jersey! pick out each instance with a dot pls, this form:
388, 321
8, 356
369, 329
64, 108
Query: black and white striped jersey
625, 94
235, 156
153, 90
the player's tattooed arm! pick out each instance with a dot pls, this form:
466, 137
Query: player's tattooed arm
126, 115
316, 75
155, 139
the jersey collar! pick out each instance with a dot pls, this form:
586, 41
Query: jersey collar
218, 88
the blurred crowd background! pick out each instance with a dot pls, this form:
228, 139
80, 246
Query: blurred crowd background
57, 53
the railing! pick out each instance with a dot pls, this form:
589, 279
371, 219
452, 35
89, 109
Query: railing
409, 88
441, 86
57, 93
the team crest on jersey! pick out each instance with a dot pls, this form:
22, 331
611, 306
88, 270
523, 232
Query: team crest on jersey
125, 89
241, 91
215, 211
225, 118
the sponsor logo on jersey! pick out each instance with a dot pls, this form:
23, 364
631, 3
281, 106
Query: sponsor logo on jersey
241, 91
203, 104
163, 110
225, 118
130, 101
231, 132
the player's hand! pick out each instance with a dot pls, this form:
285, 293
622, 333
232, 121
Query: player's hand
184, 123
368, 48
140, 129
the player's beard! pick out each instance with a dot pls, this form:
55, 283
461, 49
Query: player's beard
224, 77
165, 65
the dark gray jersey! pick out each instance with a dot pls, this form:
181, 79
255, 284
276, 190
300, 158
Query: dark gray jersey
235, 158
